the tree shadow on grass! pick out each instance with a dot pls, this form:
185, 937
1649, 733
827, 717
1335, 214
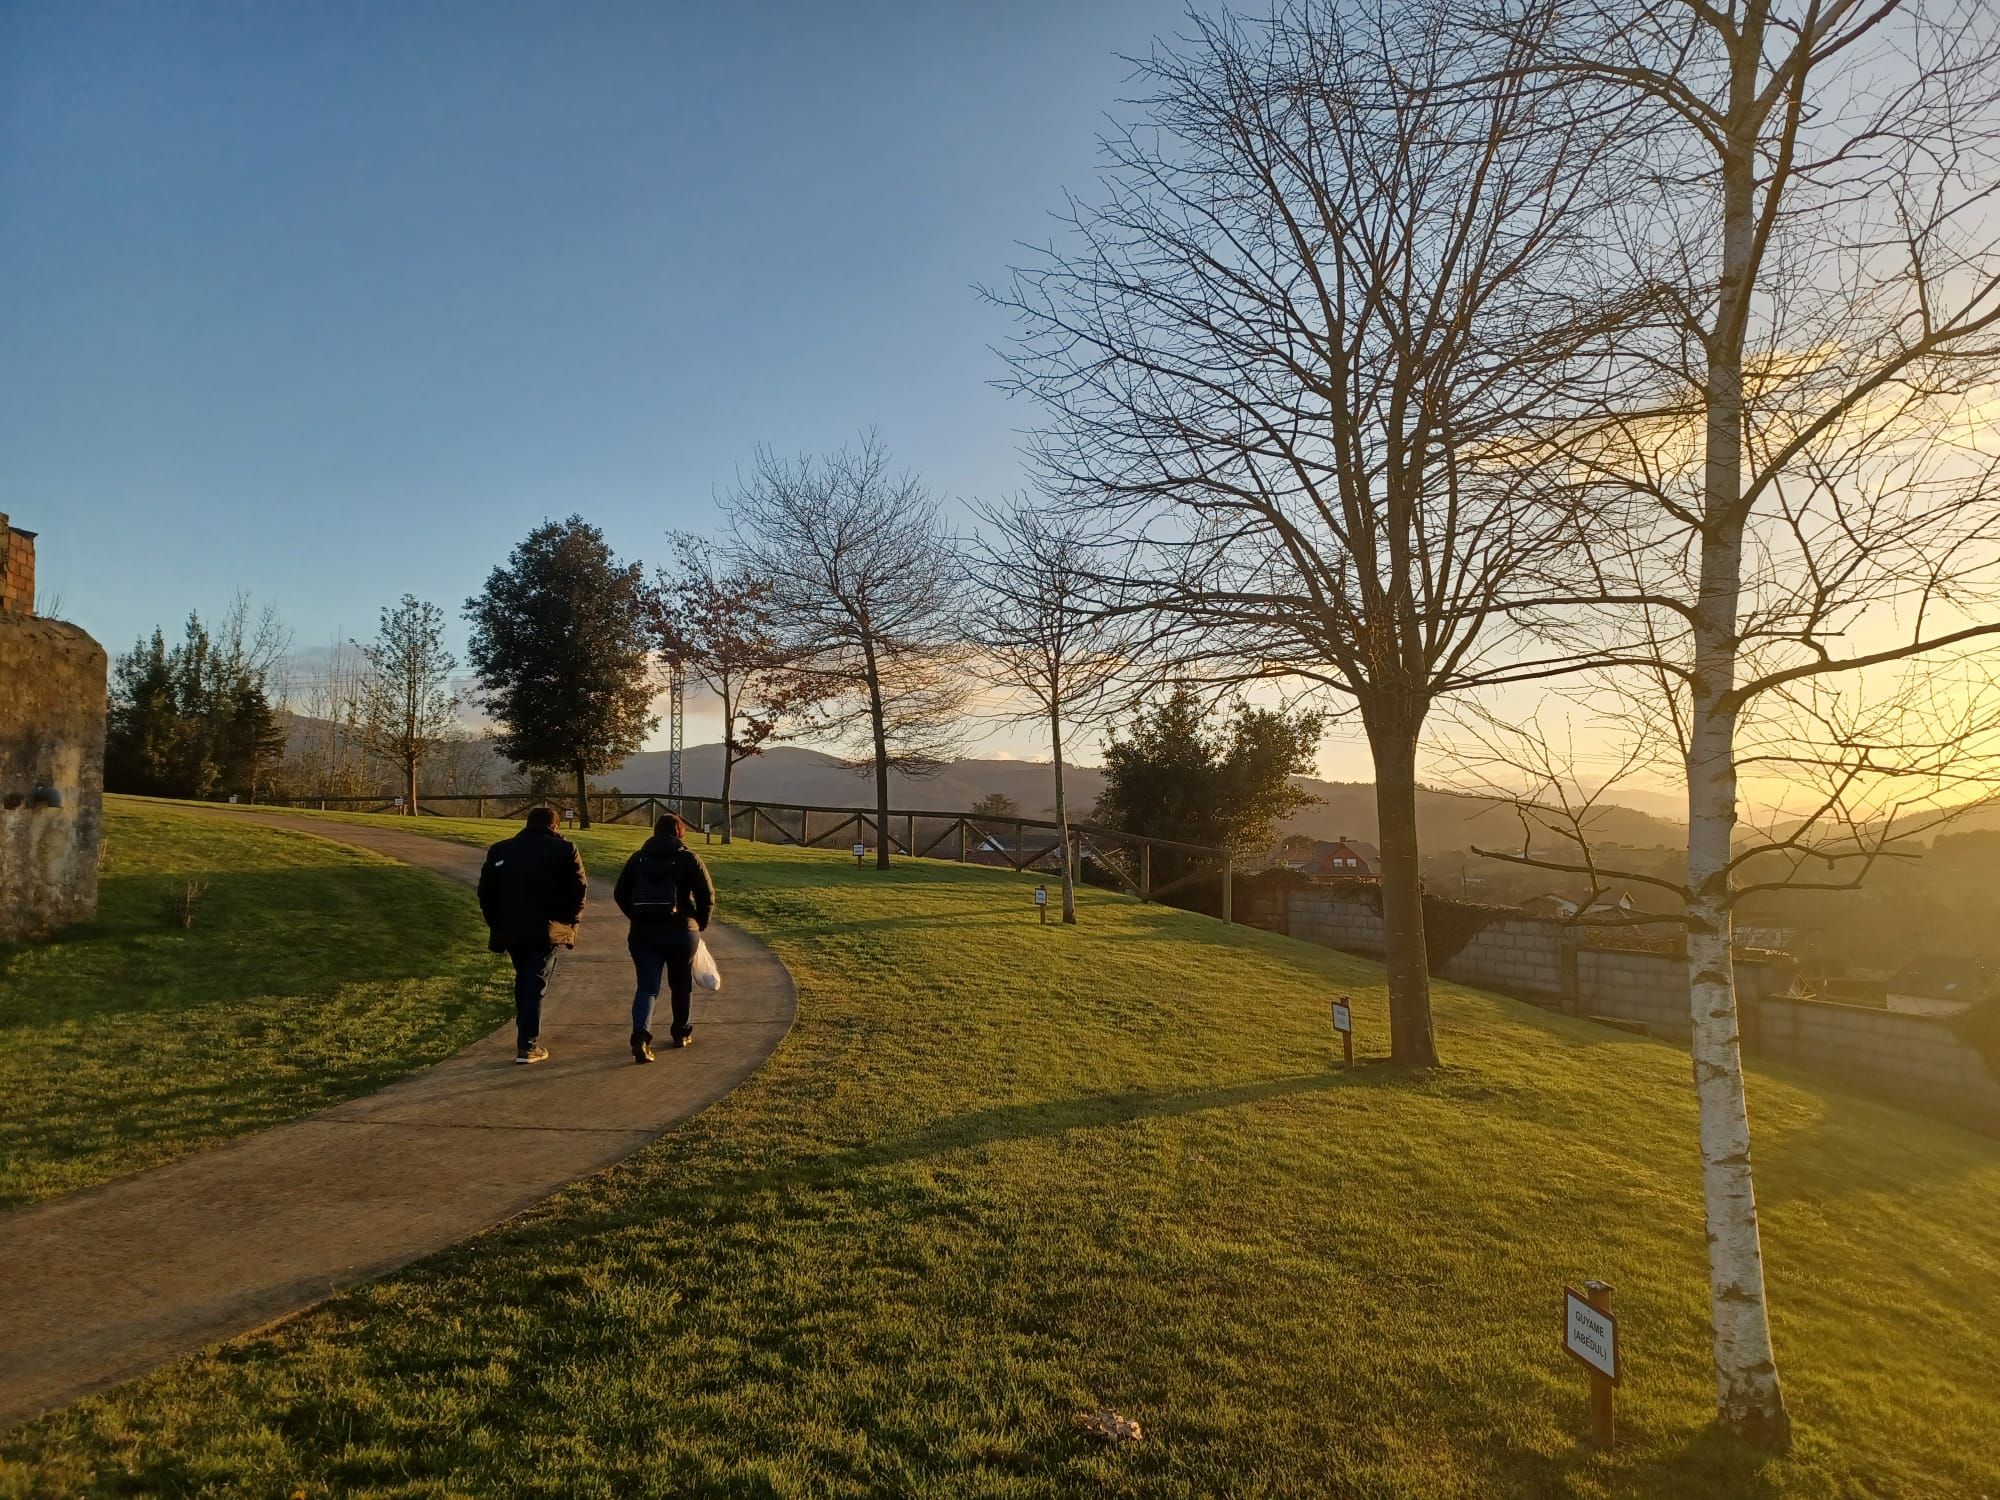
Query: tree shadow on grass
987, 1127
1710, 1465
1860, 1145
257, 933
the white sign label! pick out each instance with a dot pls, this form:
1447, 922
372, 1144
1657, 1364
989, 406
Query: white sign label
859, 850
1041, 895
1343, 1018
1590, 1335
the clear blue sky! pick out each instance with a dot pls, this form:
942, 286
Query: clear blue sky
331, 302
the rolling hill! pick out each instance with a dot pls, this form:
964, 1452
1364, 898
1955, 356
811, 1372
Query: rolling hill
1446, 820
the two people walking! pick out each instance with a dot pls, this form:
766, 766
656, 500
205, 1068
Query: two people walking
532, 890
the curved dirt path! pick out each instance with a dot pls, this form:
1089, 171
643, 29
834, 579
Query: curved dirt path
106, 1283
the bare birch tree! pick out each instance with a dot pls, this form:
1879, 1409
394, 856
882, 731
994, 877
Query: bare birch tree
1302, 351
1038, 621
406, 703
1809, 490
864, 591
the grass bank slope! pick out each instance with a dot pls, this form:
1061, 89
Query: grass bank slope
314, 972
1001, 1173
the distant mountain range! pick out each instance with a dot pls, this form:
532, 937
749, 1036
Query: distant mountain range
1445, 820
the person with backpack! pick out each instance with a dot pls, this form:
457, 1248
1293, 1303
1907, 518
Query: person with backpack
531, 892
665, 892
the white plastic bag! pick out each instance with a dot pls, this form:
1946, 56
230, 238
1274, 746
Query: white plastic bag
706, 975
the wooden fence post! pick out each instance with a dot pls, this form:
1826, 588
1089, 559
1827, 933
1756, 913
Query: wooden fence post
1145, 872
1603, 1411
962, 840
1228, 886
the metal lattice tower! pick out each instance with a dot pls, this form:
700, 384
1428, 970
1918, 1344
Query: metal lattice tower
676, 732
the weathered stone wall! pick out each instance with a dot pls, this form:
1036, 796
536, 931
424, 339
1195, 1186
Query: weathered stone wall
52, 686
1914, 1060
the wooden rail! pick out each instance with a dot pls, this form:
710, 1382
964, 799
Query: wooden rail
917, 833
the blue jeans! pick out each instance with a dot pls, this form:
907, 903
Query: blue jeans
654, 953
533, 964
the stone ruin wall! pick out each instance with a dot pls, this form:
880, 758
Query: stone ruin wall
52, 704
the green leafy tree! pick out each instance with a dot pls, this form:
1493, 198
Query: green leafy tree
996, 805
1173, 773
561, 648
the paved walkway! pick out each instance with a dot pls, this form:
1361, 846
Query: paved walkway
104, 1284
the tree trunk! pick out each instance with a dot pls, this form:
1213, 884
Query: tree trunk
877, 723
1749, 1401
728, 783
1411, 1039
582, 797
881, 795
1062, 824
410, 787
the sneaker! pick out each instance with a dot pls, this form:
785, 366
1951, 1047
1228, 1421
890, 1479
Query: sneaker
642, 1047
534, 1052
681, 1041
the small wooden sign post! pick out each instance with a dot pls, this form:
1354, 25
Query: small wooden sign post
1590, 1334
859, 851
1042, 903
1343, 1022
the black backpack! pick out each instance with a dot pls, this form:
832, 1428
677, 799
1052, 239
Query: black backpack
656, 886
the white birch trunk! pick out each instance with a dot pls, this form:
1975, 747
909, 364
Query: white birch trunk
1748, 1399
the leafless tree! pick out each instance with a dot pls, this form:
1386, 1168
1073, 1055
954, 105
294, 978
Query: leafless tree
406, 704
1303, 351
460, 764
1038, 622
722, 627
324, 750
1804, 564
863, 585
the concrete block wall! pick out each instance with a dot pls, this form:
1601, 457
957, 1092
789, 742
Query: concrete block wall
1519, 955
1335, 922
1650, 988
1913, 1060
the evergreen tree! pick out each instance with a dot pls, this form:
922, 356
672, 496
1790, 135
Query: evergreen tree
559, 641
196, 719
1171, 774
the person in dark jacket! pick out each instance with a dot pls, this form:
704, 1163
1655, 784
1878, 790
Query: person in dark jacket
665, 891
531, 892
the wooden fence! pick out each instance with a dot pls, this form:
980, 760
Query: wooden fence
1020, 844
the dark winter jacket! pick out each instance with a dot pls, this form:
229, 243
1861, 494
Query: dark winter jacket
665, 887
531, 890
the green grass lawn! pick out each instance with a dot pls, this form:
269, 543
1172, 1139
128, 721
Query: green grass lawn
1000, 1173
314, 972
